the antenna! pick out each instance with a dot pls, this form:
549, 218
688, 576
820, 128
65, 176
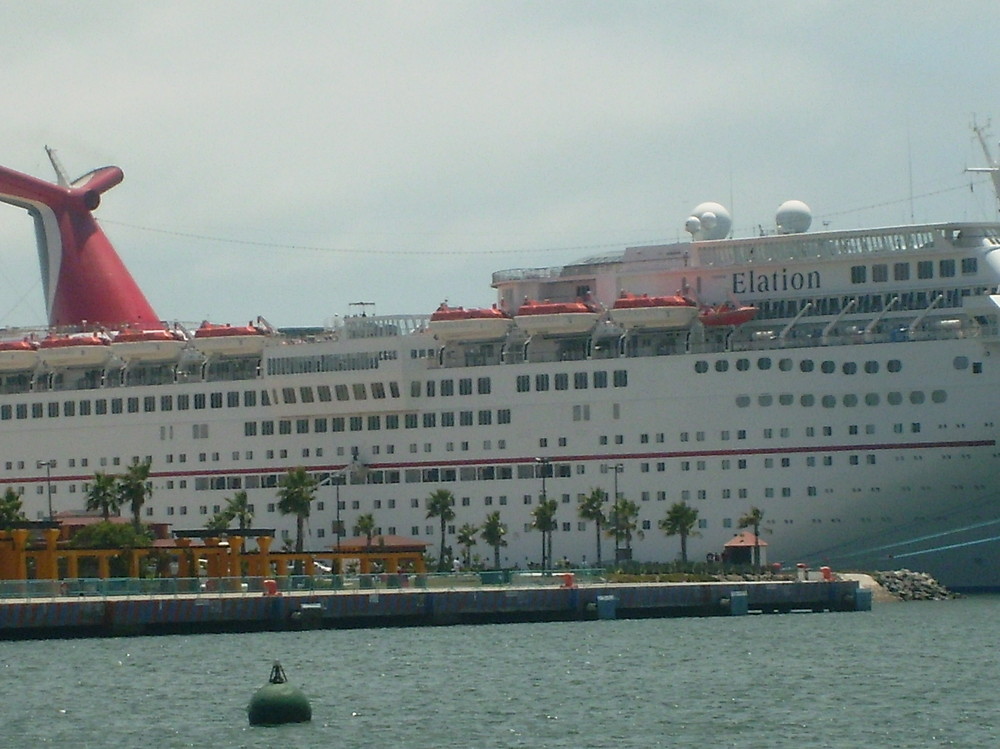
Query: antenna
994, 166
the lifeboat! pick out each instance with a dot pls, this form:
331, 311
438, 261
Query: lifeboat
229, 340
460, 324
77, 350
653, 312
18, 355
159, 345
555, 318
725, 314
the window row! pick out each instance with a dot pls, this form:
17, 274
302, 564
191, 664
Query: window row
581, 381
785, 364
849, 400
925, 269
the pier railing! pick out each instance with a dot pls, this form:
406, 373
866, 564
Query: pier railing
289, 584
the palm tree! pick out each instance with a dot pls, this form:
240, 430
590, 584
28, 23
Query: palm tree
623, 522
591, 508
544, 516
103, 495
219, 522
298, 489
753, 519
493, 534
134, 489
10, 508
366, 527
238, 508
439, 505
680, 521
467, 539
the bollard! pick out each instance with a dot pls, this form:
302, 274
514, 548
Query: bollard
607, 607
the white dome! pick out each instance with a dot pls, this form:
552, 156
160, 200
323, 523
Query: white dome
793, 217
714, 221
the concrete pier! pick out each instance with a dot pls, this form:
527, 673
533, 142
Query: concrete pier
83, 615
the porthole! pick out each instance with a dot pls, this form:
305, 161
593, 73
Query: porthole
850, 368
871, 367
764, 363
806, 365
722, 365
917, 397
894, 398
785, 365
850, 400
742, 401
871, 399
743, 364
939, 396
808, 400
786, 399
765, 399
894, 365
828, 401
960, 362
828, 367
701, 367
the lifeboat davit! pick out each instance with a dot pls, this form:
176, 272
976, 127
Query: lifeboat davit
725, 314
653, 312
555, 318
229, 340
158, 345
77, 350
18, 355
477, 324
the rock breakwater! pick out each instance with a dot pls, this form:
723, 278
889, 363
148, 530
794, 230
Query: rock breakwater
907, 585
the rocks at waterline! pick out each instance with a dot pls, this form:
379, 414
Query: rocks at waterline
912, 586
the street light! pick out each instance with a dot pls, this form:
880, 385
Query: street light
48, 465
616, 468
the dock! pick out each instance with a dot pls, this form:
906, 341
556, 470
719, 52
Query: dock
252, 605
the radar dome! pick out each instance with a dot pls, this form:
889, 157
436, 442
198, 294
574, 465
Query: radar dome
793, 217
709, 221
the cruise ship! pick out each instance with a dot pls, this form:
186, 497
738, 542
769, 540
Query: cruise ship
839, 381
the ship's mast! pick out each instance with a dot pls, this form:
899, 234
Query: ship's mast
994, 166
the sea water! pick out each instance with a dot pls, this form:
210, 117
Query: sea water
902, 675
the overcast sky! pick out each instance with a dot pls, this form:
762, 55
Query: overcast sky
288, 158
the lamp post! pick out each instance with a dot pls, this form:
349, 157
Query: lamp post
48, 465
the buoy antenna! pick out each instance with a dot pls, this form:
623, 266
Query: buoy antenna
277, 674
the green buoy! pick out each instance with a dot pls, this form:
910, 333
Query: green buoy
278, 702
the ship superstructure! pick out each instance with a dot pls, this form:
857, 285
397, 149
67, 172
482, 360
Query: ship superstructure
841, 381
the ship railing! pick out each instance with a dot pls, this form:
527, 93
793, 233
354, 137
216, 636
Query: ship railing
172, 587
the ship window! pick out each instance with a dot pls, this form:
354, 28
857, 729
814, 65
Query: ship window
447, 387
946, 268
828, 401
285, 426
337, 424
722, 365
742, 401
858, 274
374, 423
850, 368
302, 426
880, 273
288, 395
448, 419
84, 408
116, 405
265, 398
850, 400
216, 400
901, 271
600, 379
503, 416
484, 386
430, 420
939, 396
561, 381
393, 389
523, 383
807, 400
894, 365
465, 418
53, 409
148, 404
916, 397
828, 367
306, 394
199, 401
701, 367
765, 399
871, 367
925, 269
6, 412
894, 398
961, 362
249, 428
485, 417
969, 266
742, 364
101, 406
785, 365
358, 390
341, 391
465, 386
764, 363
378, 390
871, 399
580, 380
323, 391
391, 422
620, 378
786, 399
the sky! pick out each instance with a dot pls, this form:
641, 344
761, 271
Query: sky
287, 159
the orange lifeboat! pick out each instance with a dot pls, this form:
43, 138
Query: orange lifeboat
77, 350
158, 345
476, 324
229, 340
633, 311
726, 314
18, 355
555, 318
